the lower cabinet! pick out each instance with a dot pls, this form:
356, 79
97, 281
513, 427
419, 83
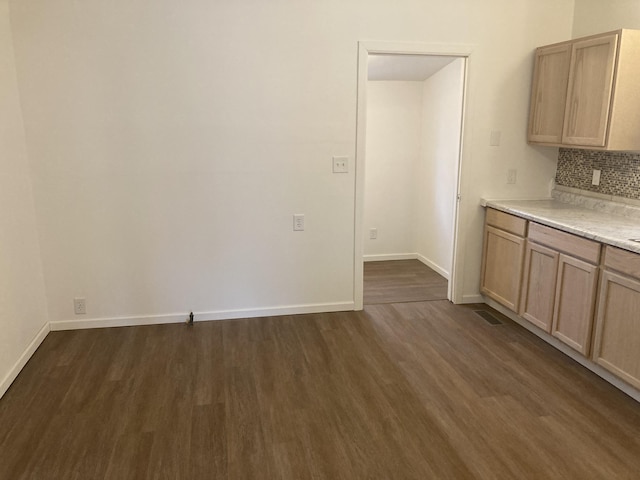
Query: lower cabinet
617, 337
574, 303
558, 288
539, 285
502, 256
550, 278
502, 266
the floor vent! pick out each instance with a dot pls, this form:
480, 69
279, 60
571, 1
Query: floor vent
488, 317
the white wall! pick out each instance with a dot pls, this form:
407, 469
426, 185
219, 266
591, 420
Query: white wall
412, 145
394, 122
437, 169
171, 142
599, 16
23, 315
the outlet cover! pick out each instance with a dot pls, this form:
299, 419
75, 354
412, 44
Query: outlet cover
298, 222
80, 306
373, 233
340, 164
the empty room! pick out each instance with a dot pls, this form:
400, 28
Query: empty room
233, 245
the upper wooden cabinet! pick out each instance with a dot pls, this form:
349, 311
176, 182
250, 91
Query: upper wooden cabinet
585, 95
589, 91
549, 93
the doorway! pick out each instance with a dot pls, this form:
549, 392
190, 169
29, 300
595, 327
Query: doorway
410, 118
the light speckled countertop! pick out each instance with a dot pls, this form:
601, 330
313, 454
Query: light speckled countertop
597, 224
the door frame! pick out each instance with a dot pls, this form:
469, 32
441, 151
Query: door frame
365, 48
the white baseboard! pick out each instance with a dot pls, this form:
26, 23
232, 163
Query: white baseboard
477, 298
200, 316
551, 340
24, 358
436, 268
389, 256
407, 256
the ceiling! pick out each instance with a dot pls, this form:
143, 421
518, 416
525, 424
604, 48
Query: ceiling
414, 68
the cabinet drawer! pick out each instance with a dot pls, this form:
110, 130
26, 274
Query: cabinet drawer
622, 261
506, 222
573, 245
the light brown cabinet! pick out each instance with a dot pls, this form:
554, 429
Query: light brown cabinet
539, 285
559, 287
502, 258
574, 303
549, 93
553, 279
617, 338
584, 93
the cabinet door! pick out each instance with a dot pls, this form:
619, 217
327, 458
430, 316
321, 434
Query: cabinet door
539, 285
549, 93
617, 343
574, 303
502, 267
589, 91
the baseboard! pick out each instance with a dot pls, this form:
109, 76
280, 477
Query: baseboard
568, 351
389, 256
200, 316
407, 256
24, 358
436, 268
477, 298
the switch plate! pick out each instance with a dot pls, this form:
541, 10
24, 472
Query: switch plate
80, 306
373, 233
494, 139
340, 164
512, 175
298, 222
595, 180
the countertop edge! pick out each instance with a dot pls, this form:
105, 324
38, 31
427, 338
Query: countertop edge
607, 240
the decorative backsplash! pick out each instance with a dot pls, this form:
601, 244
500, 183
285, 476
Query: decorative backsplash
620, 171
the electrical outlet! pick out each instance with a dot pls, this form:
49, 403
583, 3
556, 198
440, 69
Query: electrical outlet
494, 138
512, 175
80, 306
373, 233
340, 164
298, 222
595, 180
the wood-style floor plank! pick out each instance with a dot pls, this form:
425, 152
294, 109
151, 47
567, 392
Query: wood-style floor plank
398, 281
419, 390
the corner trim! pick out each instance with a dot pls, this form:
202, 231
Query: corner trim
436, 268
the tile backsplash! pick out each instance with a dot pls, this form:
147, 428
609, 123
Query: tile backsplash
620, 175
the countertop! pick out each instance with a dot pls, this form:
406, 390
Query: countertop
600, 225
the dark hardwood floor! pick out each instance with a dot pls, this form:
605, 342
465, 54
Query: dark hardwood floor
402, 281
421, 390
